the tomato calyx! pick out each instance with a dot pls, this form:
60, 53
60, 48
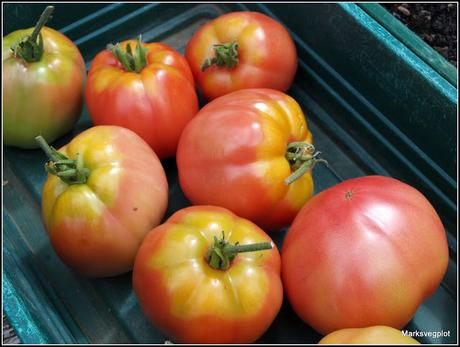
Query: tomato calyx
132, 61
226, 55
70, 171
220, 255
30, 48
302, 158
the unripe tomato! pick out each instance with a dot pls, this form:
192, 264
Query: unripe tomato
208, 276
368, 336
43, 80
251, 152
106, 189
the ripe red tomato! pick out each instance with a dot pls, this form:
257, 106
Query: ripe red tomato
365, 252
106, 189
241, 50
148, 89
239, 151
43, 81
195, 283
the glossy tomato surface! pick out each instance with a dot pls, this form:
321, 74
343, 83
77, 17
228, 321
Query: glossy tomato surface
155, 103
232, 154
381, 335
97, 227
43, 97
365, 252
267, 55
192, 302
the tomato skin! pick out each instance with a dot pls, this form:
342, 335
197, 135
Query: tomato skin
45, 97
232, 155
266, 52
156, 103
192, 302
370, 335
96, 228
365, 252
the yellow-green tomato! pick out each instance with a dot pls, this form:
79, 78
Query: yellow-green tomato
372, 335
106, 189
43, 80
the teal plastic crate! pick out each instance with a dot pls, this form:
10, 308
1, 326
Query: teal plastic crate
376, 102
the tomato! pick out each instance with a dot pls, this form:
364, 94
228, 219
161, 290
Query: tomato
148, 89
195, 283
241, 50
365, 252
43, 78
370, 336
238, 152
106, 189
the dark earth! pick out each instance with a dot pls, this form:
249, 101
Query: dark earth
435, 23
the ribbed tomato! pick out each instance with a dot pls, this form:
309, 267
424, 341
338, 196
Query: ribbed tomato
106, 189
249, 151
208, 276
145, 87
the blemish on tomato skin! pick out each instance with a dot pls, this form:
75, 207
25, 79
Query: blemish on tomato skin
348, 195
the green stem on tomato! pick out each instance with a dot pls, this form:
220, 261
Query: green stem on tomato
132, 61
220, 255
302, 158
68, 170
30, 48
225, 55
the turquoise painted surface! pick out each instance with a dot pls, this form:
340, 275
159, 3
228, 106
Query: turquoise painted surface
18, 312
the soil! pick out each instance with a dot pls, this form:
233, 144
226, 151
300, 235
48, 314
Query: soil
435, 23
